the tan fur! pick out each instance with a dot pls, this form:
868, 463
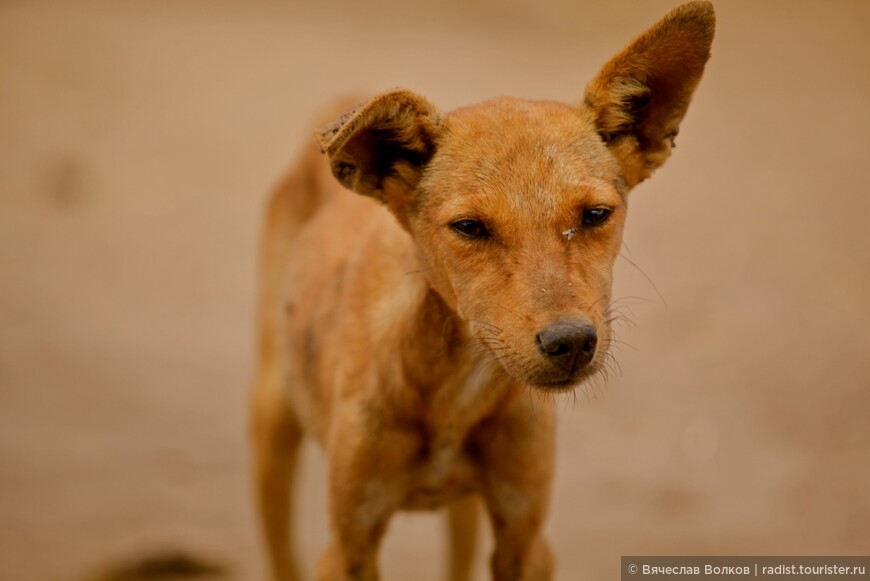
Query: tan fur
406, 348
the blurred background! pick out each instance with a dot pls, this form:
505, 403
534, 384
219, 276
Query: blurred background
138, 141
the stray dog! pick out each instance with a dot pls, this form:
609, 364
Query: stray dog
402, 327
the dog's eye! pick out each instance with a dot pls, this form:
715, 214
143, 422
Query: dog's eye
470, 228
595, 216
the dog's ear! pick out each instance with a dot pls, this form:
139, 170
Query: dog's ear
380, 148
640, 96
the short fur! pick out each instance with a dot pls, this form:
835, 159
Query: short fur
403, 328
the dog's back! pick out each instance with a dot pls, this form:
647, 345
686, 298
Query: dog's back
304, 191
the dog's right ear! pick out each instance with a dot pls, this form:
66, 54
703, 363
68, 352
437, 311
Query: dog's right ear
380, 148
640, 96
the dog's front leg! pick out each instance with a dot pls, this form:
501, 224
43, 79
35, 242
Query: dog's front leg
518, 454
367, 473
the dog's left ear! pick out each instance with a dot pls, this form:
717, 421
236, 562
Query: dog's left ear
381, 148
640, 96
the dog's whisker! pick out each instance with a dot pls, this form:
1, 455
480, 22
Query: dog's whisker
620, 319
611, 360
488, 347
620, 344
485, 324
595, 303
497, 348
490, 333
647, 277
620, 310
631, 298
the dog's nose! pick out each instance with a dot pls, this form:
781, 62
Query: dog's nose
569, 345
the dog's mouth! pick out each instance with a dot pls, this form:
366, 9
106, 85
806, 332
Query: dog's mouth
567, 381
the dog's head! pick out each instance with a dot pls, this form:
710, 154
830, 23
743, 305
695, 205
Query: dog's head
518, 206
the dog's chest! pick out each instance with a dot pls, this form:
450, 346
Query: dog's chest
447, 466
444, 470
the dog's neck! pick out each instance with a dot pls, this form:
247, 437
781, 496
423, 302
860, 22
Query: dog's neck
436, 343
433, 341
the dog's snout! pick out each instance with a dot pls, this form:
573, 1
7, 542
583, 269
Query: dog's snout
570, 345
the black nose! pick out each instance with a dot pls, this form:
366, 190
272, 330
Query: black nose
570, 345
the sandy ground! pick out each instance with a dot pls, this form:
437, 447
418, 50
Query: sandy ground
138, 141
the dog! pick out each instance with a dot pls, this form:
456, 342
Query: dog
403, 325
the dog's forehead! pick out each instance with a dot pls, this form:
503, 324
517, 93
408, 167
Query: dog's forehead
520, 144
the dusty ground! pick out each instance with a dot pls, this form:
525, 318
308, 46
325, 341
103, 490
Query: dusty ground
138, 140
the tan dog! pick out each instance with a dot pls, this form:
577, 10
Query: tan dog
402, 328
